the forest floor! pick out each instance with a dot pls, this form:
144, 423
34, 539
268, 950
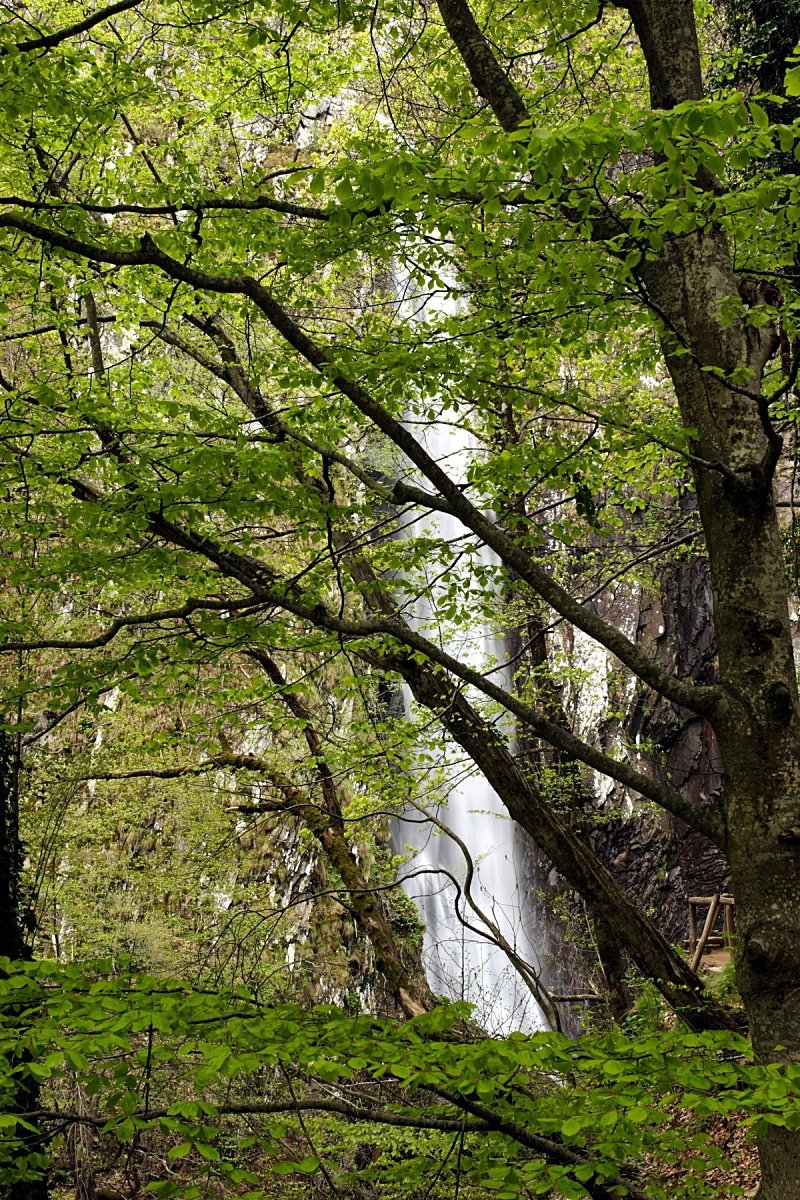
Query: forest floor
736, 1178
714, 961
740, 1178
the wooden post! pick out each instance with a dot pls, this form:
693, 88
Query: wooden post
692, 927
713, 909
729, 931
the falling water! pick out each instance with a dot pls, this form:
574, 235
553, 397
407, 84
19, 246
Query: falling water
462, 959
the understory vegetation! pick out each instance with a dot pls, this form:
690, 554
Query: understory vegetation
398, 462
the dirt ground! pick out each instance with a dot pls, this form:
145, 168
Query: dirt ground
742, 1179
714, 961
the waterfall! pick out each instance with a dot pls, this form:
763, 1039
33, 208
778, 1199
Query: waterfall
461, 956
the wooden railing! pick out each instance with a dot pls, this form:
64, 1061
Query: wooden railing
708, 938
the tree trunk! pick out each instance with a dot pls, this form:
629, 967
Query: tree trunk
12, 940
757, 725
759, 744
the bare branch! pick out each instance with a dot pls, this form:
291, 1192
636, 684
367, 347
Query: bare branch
49, 40
546, 1148
136, 619
525, 969
211, 203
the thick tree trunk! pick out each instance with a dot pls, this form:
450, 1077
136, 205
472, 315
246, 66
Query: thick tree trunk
761, 751
759, 742
757, 726
12, 940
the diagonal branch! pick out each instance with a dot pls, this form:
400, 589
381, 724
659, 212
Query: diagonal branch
135, 619
698, 698
49, 40
546, 1148
267, 587
232, 373
489, 927
489, 79
435, 690
210, 203
650, 950
708, 821
595, 1185
404, 979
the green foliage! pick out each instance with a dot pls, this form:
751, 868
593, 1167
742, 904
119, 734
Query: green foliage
648, 1015
231, 1086
185, 491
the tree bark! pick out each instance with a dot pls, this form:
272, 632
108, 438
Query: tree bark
13, 944
757, 725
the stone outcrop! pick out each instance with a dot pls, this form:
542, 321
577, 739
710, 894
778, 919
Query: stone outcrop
657, 858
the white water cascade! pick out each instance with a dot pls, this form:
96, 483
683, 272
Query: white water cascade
461, 953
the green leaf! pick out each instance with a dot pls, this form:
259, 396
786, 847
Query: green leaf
792, 81
205, 1150
126, 1130
308, 1165
637, 1114
180, 1151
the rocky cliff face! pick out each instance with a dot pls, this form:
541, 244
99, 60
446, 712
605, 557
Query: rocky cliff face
657, 858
